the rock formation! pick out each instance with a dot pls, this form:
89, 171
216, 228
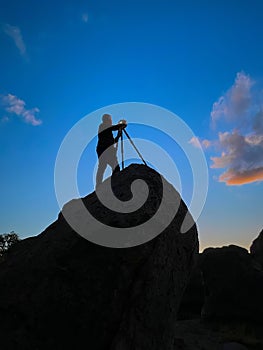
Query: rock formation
256, 248
193, 298
233, 285
221, 307
59, 290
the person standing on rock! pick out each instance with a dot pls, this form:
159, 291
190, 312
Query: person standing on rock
106, 150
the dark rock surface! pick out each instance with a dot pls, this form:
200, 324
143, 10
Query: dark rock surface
256, 248
194, 335
234, 346
226, 288
197, 334
193, 298
59, 290
233, 285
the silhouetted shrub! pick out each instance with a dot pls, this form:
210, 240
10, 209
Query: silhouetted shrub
6, 241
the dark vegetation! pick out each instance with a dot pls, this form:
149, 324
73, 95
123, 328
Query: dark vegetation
7, 240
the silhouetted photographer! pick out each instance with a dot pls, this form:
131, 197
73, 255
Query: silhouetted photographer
106, 150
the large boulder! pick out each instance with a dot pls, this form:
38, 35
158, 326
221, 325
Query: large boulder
193, 298
256, 249
233, 285
59, 290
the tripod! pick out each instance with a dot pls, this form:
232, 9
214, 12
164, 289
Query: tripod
122, 148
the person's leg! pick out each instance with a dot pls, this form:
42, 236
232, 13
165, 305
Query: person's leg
100, 171
113, 161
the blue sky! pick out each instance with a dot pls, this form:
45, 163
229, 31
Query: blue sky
201, 60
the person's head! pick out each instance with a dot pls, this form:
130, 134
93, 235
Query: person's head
106, 119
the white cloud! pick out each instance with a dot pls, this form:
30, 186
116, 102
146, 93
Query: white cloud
14, 105
15, 33
242, 147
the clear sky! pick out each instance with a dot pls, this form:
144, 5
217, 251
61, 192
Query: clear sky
202, 60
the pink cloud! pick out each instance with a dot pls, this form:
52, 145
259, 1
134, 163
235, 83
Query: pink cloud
234, 105
13, 104
207, 143
242, 156
237, 178
29, 116
242, 147
195, 142
198, 143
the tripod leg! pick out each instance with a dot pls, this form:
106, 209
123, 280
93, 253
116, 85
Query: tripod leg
136, 149
122, 152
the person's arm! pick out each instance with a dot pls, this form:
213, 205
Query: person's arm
115, 127
119, 127
116, 139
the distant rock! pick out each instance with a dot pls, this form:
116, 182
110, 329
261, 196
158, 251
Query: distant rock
59, 290
256, 248
233, 285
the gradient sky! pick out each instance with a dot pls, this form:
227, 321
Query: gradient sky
202, 60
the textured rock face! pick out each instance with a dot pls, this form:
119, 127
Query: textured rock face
256, 248
59, 290
193, 298
233, 285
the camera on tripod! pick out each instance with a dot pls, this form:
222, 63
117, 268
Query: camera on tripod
123, 123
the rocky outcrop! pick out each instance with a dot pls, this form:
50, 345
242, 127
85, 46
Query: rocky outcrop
233, 285
198, 335
59, 290
226, 284
193, 298
221, 307
256, 249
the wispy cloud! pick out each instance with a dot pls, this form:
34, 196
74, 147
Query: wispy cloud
15, 33
85, 17
5, 119
13, 105
242, 147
